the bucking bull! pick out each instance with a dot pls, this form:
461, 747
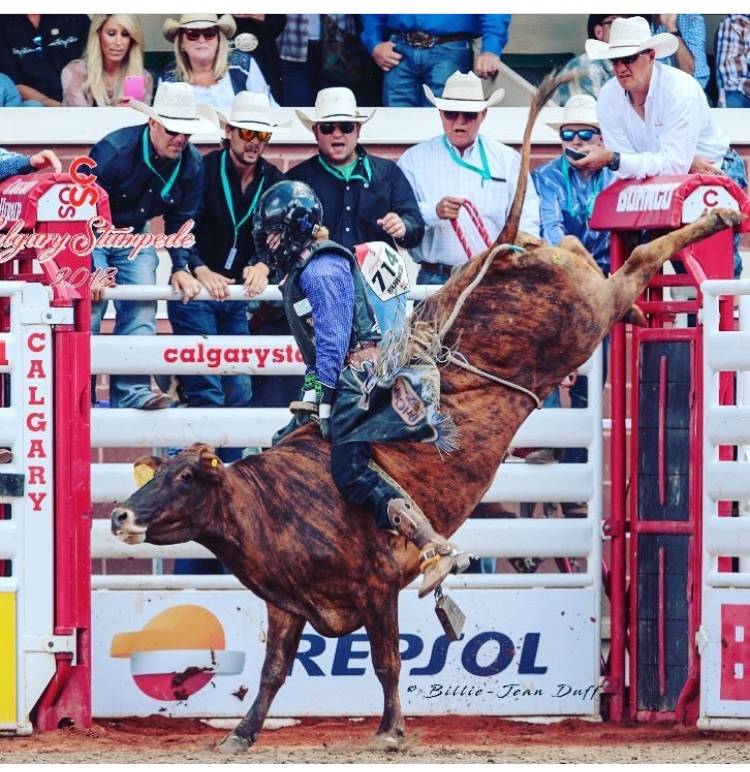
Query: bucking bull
516, 322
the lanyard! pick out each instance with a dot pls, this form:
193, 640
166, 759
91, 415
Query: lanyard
168, 184
228, 196
367, 178
570, 206
484, 172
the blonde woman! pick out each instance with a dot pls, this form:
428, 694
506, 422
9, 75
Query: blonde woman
114, 50
201, 52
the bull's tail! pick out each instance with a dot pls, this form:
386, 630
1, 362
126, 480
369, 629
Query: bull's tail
543, 94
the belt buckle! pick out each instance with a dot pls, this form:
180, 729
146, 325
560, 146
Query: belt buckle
420, 39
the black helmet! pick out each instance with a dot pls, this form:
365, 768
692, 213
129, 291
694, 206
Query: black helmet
291, 209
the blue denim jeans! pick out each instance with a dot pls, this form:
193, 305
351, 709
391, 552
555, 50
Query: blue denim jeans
736, 99
212, 317
131, 317
734, 167
389, 313
402, 86
429, 275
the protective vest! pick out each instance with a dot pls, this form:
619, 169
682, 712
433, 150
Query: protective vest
299, 314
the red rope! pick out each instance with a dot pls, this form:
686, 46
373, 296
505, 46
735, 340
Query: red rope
478, 223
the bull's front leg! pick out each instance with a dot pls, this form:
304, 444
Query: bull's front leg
645, 260
284, 631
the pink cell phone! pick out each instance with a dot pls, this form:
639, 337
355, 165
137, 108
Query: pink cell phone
134, 87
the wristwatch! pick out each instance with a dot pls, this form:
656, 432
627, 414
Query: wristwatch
614, 164
676, 33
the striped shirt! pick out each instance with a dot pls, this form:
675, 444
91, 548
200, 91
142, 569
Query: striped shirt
733, 52
14, 163
692, 27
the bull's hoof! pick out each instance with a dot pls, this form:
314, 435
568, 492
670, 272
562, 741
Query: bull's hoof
388, 743
233, 744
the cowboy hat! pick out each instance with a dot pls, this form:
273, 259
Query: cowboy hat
251, 110
629, 36
463, 92
334, 104
580, 109
199, 21
175, 108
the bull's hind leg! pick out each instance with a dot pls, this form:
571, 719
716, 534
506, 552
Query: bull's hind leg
381, 623
284, 631
646, 259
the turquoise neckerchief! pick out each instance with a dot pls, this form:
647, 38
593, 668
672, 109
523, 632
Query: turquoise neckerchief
570, 204
230, 201
484, 172
367, 178
168, 184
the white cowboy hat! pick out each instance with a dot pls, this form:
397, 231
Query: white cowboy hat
463, 92
580, 109
334, 104
251, 110
631, 36
199, 21
175, 108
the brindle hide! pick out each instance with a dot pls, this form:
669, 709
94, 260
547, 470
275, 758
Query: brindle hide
277, 521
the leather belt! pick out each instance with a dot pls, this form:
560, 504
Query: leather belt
440, 268
419, 39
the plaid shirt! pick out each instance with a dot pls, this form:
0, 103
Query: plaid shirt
294, 39
590, 78
733, 51
13, 163
692, 27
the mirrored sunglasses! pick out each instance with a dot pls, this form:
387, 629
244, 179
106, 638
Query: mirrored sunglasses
568, 135
194, 34
328, 128
246, 135
626, 60
452, 115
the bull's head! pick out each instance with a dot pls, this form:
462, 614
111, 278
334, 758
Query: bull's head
172, 504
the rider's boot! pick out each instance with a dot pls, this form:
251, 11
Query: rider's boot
438, 556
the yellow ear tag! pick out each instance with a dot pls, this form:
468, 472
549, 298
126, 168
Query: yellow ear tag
214, 462
143, 473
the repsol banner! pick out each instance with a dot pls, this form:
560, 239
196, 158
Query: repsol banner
199, 653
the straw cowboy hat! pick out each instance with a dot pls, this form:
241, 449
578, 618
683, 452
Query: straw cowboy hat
252, 111
463, 92
631, 36
334, 104
175, 108
199, 21
579, 109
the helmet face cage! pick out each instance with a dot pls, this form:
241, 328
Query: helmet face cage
291, 210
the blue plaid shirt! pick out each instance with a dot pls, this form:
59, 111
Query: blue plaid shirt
328, 284
692, 27
565, 209
733, 51
13, 163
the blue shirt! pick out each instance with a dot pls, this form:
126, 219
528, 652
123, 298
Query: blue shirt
565, 207
328, 284
135, 191
492, 27
13, 163
692, 27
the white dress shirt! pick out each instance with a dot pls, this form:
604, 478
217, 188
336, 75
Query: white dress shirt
677, 127
433, 174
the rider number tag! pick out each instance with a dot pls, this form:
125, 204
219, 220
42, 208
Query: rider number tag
383, 268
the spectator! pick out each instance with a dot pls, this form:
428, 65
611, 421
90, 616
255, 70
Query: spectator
265, 28
733, 59
365, 198
589, 75
10, 96
235, 178
201, 52
413, 48
149, 171
114, 50
458, 166
690, 31
34, 49
676, 135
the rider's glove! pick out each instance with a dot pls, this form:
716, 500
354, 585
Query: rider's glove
324, 410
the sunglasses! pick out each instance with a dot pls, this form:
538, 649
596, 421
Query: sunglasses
176, 133
627, 60
246, 135
568, 135
194, 34
452, 115
328, 128
38, 49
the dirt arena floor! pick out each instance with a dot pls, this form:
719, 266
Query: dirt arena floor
446, 739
